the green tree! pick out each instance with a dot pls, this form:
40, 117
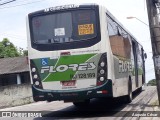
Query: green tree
152, 82
7, 49
25, 52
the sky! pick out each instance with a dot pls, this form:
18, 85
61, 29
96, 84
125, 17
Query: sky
13, 21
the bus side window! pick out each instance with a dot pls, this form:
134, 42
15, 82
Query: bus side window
112, 27
120, 43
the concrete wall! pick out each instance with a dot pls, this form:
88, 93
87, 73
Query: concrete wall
15, 95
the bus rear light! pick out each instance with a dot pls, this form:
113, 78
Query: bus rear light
33, 69
99, 83
102, 64
37, 83
102, 92
65, 53
102, 70
36, 80
35, 76
101, 79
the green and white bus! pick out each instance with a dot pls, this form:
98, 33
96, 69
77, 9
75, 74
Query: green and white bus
80, 52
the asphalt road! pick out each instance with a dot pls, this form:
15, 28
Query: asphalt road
99, 109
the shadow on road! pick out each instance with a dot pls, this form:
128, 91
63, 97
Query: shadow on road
97, 108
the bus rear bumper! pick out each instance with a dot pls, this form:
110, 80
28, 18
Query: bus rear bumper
104, 90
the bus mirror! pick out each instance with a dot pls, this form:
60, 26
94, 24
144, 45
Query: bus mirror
145, 55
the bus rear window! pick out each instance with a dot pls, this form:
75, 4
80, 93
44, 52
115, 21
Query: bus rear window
64, 27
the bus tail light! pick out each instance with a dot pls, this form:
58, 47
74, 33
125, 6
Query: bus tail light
102, 70
35, 76
102, 92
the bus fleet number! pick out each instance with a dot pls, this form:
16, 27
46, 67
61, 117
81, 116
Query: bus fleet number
83, 75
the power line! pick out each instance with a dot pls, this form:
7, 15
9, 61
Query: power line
7, 2
22, 1
21, 4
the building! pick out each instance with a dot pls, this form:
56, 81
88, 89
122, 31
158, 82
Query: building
15, 85
14, 71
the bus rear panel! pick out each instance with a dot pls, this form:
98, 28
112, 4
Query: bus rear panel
66, 60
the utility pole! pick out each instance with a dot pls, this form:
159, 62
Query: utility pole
154, 24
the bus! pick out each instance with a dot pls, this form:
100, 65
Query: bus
80, 52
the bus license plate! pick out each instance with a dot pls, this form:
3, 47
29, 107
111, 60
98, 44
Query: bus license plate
69, 83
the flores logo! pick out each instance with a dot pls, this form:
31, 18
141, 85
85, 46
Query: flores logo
63, 68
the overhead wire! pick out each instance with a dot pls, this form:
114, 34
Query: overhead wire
20, 1
21, 4
4, 3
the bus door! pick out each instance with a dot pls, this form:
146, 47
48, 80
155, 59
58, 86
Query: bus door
143, 65
134, 47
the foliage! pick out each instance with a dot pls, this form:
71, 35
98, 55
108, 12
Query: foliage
152, 82
7, 49
25, 53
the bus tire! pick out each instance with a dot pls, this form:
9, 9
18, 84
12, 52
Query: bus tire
129, 96
82, 103
140, 89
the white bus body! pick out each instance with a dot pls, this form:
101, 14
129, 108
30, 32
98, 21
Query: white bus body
79, 52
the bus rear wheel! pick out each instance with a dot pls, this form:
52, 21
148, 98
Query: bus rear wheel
129, 96
82, 103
